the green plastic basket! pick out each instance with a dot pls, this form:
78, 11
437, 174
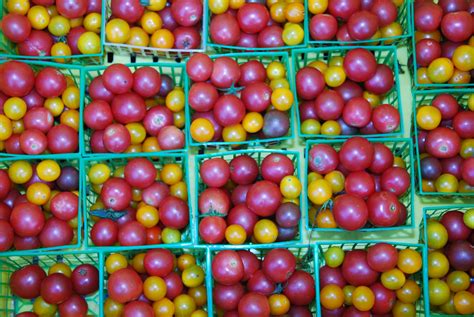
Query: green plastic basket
422, 305
201, 255
402, 147
114, 161
219, 48
175, 70
258, 155
424, 97
383, 54
146, 51
265, 58
404, 18
62, 160
9, 49
414, 68
10, 305
74, 72
304, 252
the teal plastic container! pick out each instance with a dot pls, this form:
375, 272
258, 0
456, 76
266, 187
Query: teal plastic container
10, 305
8, 49
175, 70
304, 253
72, 71
425, 97
403, 18
422, 305
258, 155
201, 255
63, 160
265, 58
403, 148
383, 54
147, 51
114, 162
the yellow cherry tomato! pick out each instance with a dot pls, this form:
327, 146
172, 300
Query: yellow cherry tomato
89, 43
148, 216
317, 6
319, 191
14, 108
438, 291
154, 288
265, 231
334, 76
252, 122
311, 126
99, 173
59, 26
440, 70
175, 100
151, 22
290, 187
117, 31
219, 6
279, 304
138, 37
409, 261
184, 305
18, 6
164, 307
447, 183
202, 130
438, 265
112, 308
115, 262
60, 268
43, 308
193, 276
276, 70
234, 133
93, 22
20, 172
162, 38
6, 129
48, 170
363, 298
282, 99
336, 180
294, 12
171, 174
331, 127
76, 22
428, 117
39, 17
235, 234
60, 49
38, 193
137, 132
293, 34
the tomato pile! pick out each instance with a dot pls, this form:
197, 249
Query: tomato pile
446, 144
346, 20
63, 290
237, 202
234, 102
274, 285
361, 184
444, 49
142, 202
343, 96
53, 28
253, 24
161, 24
39, 205
381, 280
451, 262
124, 116
155, 283
39, 110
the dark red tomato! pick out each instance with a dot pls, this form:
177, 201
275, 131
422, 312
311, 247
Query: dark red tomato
159, 262
97, 142
33, 99
229, 110
448, 48
428, 17
307, 111
153, 235
16, 79
382, 81
227, 297
5, 211
75, 306
343, 9
65, 206
215, 172
154, 194
430, 168
140, 173
6, 235
128, 10
275, 167
351, 311
224, 29
349, 90
85, 279
299, 311
202, 96
26, 282
97, 90
174, 213
383, 158
56, 288
12, 195
362, 25
132, 233
454, 224
360, 65
427, 50
323, 27
329, 105
271, 36
386, 118
385, 10
167, 18
251, 263
98, 115
467, 169
227, 267
331, 275
460, 255
157, 118
457, 26
174, 285
384, 209
72, 9
118, 79
309, 83
243, 216
462, 124
138, 309
62, 139
225, 73
27, 219
260, 283
278, 265
214, 200
300, 288
26, 314
447, 105
16, 27
253, 17
356, 270
146, 81
350, 212
186, 38
38, 118
453, 5
50, 82
252, 72
323, 159
382, 257
124, 285
395, 180
288, 215
116, 193
170, 138
360, 184
275, 124
264, 198
342, 34
39, 43
116, 138
104, 232
33, 141
73, 38
94, 6
130, 215
256, 97
356, 154
453, 166
212, 229
249, 40
128, 107
254, 305
357, 112
186, 12
243, 170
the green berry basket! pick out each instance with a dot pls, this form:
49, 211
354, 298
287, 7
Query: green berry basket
10, 305
147, 51
72, 71
383, 54
174, 70
306, 261
425, 97
258, 155
114, 162
200, 254
63, 160
422, 305
8, 49
265, 58
402, 147
403, 18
